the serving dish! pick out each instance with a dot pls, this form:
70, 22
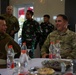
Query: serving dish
56, 64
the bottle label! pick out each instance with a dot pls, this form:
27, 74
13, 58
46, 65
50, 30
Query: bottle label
20, 74
12, 65
52, 56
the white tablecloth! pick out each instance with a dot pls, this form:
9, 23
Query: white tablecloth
36, 62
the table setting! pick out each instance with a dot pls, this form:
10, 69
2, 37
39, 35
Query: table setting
39, 66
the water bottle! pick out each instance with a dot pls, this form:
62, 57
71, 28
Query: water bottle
20, 70
24, 47
23, 58
10, 57
63, 67
52, 52
22, 64
57, 48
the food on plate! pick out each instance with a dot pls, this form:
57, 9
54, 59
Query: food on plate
45, 71
55, 64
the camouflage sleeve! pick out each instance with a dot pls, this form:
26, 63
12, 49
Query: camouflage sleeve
37, 31
52, 27
41, 28
15, 45
16, 48
37, 27
73, 43
16, 24
45, 47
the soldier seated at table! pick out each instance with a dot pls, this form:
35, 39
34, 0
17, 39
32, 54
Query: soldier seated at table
5, 39
66, 37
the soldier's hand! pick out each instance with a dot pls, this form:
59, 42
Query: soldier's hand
45, 55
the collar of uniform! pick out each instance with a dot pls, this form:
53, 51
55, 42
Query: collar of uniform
46, 22
8, 15
29, 19
63, 33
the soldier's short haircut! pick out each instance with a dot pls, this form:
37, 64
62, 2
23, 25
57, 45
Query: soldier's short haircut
46, 15
63, 16
31, 12
2, 18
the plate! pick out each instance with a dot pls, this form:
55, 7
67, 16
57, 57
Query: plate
46, 71
41, 71
56, 64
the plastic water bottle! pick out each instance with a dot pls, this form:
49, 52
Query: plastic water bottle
24, 47
57, 48
23, 58
52, 52
22, 64
63, 67
10, 57
20, 70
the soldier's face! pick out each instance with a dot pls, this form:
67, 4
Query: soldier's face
9, 10
28, 15
61, 24
3, 26
46, 19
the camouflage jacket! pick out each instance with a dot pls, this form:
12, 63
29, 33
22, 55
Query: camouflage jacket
12, 23
30, 32
46, 28
6, 40
67, 41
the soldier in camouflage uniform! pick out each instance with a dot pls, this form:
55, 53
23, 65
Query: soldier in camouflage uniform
67, 39
30, 31
12, 22
6, 40
46, 28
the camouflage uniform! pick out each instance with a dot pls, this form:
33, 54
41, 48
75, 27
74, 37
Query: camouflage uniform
46, 28
5, 39
67, 41
12, 24
30, 33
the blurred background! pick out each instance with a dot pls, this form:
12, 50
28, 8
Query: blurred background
41, 7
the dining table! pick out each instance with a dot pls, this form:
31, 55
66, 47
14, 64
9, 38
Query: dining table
34, 62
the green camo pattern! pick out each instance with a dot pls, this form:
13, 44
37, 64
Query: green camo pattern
12, 23
67, 41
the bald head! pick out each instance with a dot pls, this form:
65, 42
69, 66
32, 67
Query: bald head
9, 10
